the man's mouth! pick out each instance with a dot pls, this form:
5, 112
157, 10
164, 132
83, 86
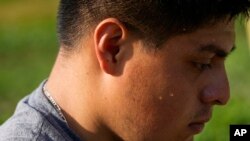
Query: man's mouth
198, 125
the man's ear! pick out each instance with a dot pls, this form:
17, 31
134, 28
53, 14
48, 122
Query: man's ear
108, 37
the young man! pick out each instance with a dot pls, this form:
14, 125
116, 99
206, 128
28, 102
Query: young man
131, 70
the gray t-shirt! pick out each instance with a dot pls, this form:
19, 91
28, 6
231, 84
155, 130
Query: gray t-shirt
36, 119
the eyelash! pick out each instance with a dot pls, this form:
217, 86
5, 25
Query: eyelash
202, 66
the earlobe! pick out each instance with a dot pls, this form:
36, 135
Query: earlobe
108, 37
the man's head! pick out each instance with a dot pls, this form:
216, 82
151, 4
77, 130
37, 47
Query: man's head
152, 20
144, 70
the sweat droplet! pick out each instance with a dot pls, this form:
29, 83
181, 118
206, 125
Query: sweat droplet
171, 94
160, 97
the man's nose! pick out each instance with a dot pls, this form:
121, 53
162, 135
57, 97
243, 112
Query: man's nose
217, 91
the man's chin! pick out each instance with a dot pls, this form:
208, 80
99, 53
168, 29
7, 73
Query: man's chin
190, 139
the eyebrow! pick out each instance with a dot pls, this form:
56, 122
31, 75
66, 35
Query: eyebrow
217, 50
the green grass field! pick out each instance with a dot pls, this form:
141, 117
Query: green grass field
28, 47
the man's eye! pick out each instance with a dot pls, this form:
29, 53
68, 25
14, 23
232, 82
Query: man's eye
202, 66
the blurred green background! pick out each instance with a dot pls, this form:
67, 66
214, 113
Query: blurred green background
28, 47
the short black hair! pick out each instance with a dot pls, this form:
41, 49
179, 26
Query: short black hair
153, 20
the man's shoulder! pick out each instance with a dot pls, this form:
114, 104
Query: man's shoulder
35, 119
26, 124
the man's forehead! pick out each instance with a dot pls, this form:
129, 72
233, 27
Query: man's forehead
220, 52
222, 33
223, 26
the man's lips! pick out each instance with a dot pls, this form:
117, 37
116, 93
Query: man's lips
198, 125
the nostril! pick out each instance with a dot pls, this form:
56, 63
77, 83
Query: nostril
206, 96
223, 99
214, 96
218, 102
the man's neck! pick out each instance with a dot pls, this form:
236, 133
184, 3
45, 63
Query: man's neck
68, 86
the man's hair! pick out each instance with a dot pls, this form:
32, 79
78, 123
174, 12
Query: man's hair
152, 20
